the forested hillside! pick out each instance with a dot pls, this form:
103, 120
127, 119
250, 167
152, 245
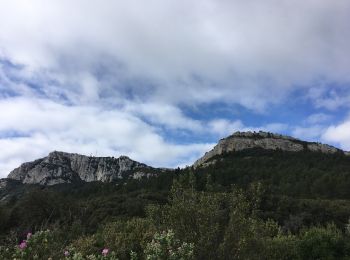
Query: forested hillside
250, 204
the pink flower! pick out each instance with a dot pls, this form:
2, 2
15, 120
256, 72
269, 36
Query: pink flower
23, 245
66, 253
105, 251
29, 235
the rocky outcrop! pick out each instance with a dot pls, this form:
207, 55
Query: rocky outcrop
323, 148
3, 183
248, 140
60, 167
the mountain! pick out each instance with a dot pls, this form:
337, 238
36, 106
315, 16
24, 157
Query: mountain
249, 176
61, 167
240, 141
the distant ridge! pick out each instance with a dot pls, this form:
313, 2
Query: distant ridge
247, 140
61, 167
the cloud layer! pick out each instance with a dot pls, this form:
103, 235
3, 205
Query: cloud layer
219, 50
127, 77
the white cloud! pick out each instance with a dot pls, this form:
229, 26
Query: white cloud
229, 51
273, 127
164, 114
330, 98
318, 118
339, 134
309, 133
224, 127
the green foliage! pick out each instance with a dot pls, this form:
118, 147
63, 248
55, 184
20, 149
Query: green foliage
245, 234
41, 209
281, 247
4, 219
165, 246
300, 188
254, 204
122, 237
86, 245
298, 174
195, 217
80, 256
245, 237
322, 243
41, 245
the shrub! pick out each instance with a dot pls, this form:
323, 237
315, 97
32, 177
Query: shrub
165, 246
322, 243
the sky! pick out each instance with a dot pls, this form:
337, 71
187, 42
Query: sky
161, 81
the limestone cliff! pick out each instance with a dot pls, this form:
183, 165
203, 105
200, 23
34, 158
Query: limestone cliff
247, 140
60, 167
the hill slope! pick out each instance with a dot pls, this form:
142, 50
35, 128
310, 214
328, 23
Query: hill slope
244, 183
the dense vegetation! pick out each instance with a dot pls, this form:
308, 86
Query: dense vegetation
254, 204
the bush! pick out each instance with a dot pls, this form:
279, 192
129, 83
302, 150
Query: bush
322, 243
165, 246
125, 236
41, 245
281, 247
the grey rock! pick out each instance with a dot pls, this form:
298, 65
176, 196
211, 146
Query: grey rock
323, 148
245, 140
3, 183
140, 175
60, 167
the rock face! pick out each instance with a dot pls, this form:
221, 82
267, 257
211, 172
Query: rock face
3, 183
60, 167
247, 140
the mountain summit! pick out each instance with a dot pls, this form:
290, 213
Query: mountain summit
61, 167
248, 140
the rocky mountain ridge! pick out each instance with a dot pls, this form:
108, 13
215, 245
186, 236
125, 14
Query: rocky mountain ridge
247, 140
61, 167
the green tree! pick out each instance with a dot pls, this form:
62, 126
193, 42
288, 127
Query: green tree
195, 217
322, 243
122, 237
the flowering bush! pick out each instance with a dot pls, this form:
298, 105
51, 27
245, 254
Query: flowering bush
37, 246
44, 245
165, 246
105, 254
102, 256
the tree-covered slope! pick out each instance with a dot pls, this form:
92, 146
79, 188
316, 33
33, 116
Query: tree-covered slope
254, 203
298, 174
